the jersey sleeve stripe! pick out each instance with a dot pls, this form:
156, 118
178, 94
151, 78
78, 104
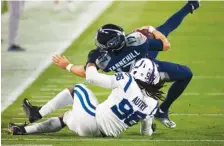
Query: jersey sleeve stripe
83, 104
87, 96
128, 83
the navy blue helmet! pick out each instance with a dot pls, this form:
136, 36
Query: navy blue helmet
110, 37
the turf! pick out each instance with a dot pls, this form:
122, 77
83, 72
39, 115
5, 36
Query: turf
198, 43
4, 7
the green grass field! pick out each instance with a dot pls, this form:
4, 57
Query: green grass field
198, 43
4, 7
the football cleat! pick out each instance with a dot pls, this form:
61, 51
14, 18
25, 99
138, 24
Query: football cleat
194, 4
146, 130
17, 129
15, 48
32, 112
164, 119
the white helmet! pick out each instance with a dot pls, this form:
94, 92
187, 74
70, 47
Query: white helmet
146, 71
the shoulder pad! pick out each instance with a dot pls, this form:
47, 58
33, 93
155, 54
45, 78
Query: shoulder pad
135, 39
124, 80
93, 55
103, 61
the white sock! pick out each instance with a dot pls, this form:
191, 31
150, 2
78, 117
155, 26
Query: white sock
146, 126
50, 125
62, 99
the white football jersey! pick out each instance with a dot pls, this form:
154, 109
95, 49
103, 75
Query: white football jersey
125, 106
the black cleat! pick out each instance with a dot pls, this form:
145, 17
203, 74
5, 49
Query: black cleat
15, 48
17, 129
194, 4
32, 112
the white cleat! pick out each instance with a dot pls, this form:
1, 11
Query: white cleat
147, 128
167, 122
164, 119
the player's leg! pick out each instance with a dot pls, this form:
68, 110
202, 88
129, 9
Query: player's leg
147, 128
181, 76
35, 113
70, 7
53, 124
174, 21
14, 8
57, 6
81, 119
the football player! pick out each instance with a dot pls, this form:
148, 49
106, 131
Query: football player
133, 98
117, 52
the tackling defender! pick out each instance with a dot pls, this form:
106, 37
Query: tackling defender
133, 99
117, 52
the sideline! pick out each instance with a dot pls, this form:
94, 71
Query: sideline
19, 70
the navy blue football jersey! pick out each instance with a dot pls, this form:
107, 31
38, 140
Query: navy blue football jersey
137, 47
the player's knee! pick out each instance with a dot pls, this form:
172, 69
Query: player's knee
188, 72
71, 90
80, 87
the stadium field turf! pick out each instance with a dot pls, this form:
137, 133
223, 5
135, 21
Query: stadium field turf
198, 113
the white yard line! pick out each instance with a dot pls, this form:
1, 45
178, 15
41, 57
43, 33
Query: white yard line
25, 118
26, 145
184, 94
196, 114
116, 139
49, 89
208, 77
172, 114
41, 97
57, 90
84, 20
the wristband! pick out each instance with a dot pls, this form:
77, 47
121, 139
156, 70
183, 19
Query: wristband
68, 67
151, 29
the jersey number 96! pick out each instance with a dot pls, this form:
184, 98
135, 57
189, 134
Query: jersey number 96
124, 111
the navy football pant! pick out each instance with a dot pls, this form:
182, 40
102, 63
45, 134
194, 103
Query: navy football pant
179, 74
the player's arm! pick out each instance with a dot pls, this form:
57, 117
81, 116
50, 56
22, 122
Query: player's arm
79, 70
99, 79
63, 63
160, 36
160, 43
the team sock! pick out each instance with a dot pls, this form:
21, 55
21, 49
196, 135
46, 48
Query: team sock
171, 24
175, 20
50, 125
62, 99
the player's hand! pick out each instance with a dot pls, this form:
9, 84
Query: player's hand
142, 29
60, 61
145, 31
